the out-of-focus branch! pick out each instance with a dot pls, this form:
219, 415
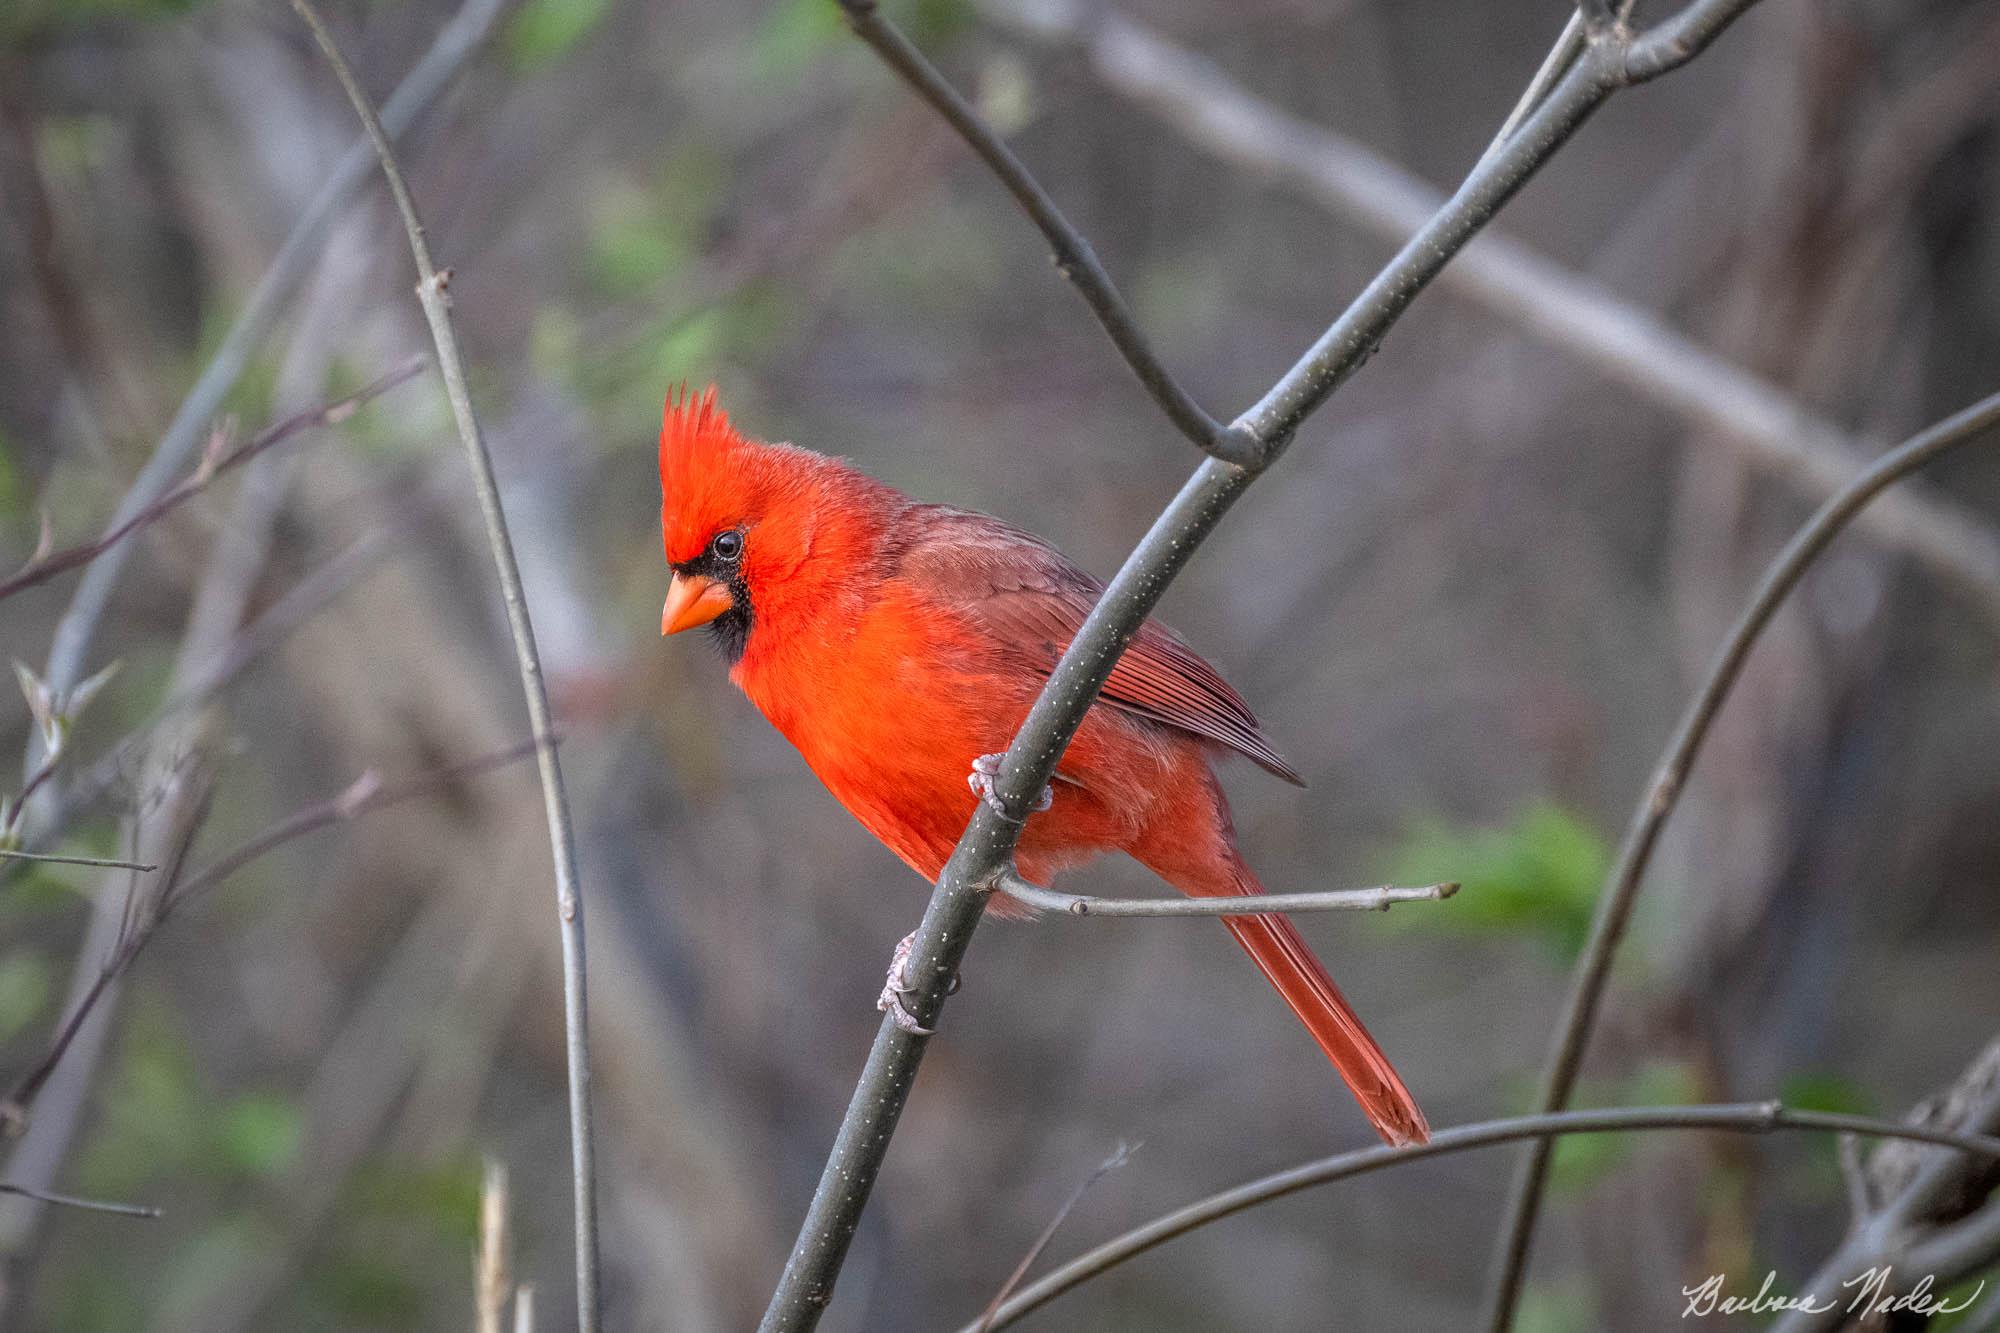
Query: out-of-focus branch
1074, 257
45, 567
1614, 906
167, 820
562, 837
985, 850
1631, 346
147, 910
1736, 1118
1926, 1224
454, 45
87, 1205
1330, 900
367, 792
52, 858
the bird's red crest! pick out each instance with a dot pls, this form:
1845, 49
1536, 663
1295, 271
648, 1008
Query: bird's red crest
697, 494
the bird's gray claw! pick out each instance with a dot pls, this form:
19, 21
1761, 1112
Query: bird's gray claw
897, 986
984, 769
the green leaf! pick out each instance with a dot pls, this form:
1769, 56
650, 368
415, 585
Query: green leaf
634, 246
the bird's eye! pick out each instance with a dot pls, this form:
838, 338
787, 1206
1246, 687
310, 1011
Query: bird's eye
727, 545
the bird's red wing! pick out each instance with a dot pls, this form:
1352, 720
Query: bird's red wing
1031, 600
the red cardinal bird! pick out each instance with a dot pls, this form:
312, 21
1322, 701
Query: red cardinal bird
898, 645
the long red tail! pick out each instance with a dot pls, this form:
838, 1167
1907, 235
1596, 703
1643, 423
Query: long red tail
1275, 945
1281, 954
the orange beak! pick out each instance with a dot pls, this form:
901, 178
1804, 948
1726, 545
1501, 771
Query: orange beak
693, 600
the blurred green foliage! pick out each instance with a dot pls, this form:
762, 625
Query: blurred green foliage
792, 35
1560, 1305
16, 506
160, 1120
24, 20
797, 32
1538, 875
27, 980
543, 31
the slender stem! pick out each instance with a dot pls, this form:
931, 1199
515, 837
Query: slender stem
1048, 1233
1568, 45
1739, 1118
8, 854
562, 837
87, 1205
1614, 906
1074, 257
984, 852
365, 794
1330, 900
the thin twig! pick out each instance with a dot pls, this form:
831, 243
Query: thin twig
366, 793
1329, 900
1074, 257
562, 838
1568, 46
46, 567
54, 859
984, 852
1737, 1118
1614, 905
88, 1205
1118, 1158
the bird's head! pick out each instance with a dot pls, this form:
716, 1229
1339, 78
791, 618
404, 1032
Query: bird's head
754, 532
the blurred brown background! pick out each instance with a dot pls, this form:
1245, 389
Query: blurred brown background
1469, 605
